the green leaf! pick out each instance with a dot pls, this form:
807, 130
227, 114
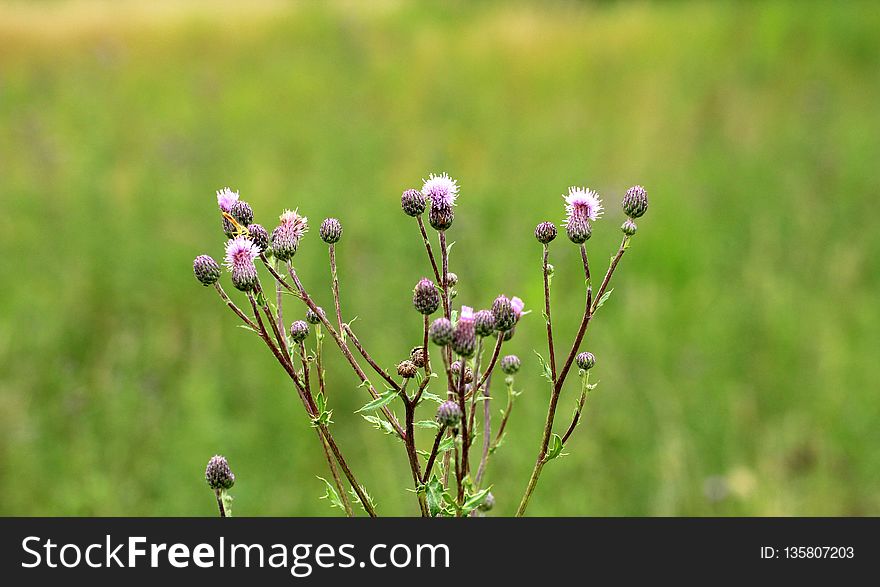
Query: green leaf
379, 423
357, 500
474, 501
604, 298
246, 327
331, 495
434, 496
383, 400
547, 373
555, 448
427, 424
446, 444
227, 502
433, 397
321, 402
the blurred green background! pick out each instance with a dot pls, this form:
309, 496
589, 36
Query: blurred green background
737, 356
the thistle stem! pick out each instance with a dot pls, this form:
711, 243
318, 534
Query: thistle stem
433, 456
363, 352
335, 279
219, 494
430, 252
487, 431
547, 312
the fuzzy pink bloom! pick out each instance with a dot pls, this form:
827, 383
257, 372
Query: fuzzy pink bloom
442, 189
226, 198
467, 314
286, 236
582, 204
517, 305
240, 254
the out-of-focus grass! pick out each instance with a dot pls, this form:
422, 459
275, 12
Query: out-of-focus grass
737, 356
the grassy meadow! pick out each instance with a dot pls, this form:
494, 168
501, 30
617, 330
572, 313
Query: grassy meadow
737, 357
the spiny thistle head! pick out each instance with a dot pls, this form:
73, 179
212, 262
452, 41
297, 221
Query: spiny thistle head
413, 202
441, 215
242, 212
330, 231
468, 372
449, 414
417, 356
286, 236
578, 230
635, 202
440, 331
505, 317
451, 279
314, 317
510, 364
299, 330
426, 298
440, 189
585, 360
545, 232
488, 503
225, 199
629, 227
407, 369
218, 474
484, 322
464, 337
582, 203
240, 254
206, 269
259, 235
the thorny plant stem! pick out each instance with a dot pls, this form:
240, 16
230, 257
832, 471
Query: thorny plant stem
219, 494
577, 412
474, 390
363, 352
487, 431
465, 441
234, 308
433, 456
547, 313
431, 257
557, 386
410, 442
492, 361
279, 310
335, 279
260, 328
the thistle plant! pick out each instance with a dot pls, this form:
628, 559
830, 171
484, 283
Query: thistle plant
443, 382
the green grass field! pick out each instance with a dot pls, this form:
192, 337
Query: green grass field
737, 356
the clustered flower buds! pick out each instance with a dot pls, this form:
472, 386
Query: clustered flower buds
635, 202
449, 414
286, 236
299, 330
259, 235
330, 231
226, 199
545, 232
464, 337
456, 370
206, 269
510, 364
314, 317
440, 332
218, 474
407, 369
426, 298
413, 202
585, 360
484, 322
240, 254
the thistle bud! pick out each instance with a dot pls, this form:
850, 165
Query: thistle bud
242, 212
314, 317
417, 356
287, 235
330, 231
628, 227
413, 203
585, 361
449, 414
578, 230
206, 269
484, 322
506, 335
228, 227
407, 369
240, 255
545, 232
488, 503
259, 235
426, 298
218, 474
635, 202
440, 332
502, 310
451, 279
299, 330
468, 372
441, 215
464, 336
510, 364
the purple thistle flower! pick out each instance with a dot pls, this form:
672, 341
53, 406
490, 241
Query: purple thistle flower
286, 236
240, 254
218, 474
441, 189
206, 270
505, 317
517, 306
440, 332
484, 322
449, 414
464, 337
226, 198
582, 204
